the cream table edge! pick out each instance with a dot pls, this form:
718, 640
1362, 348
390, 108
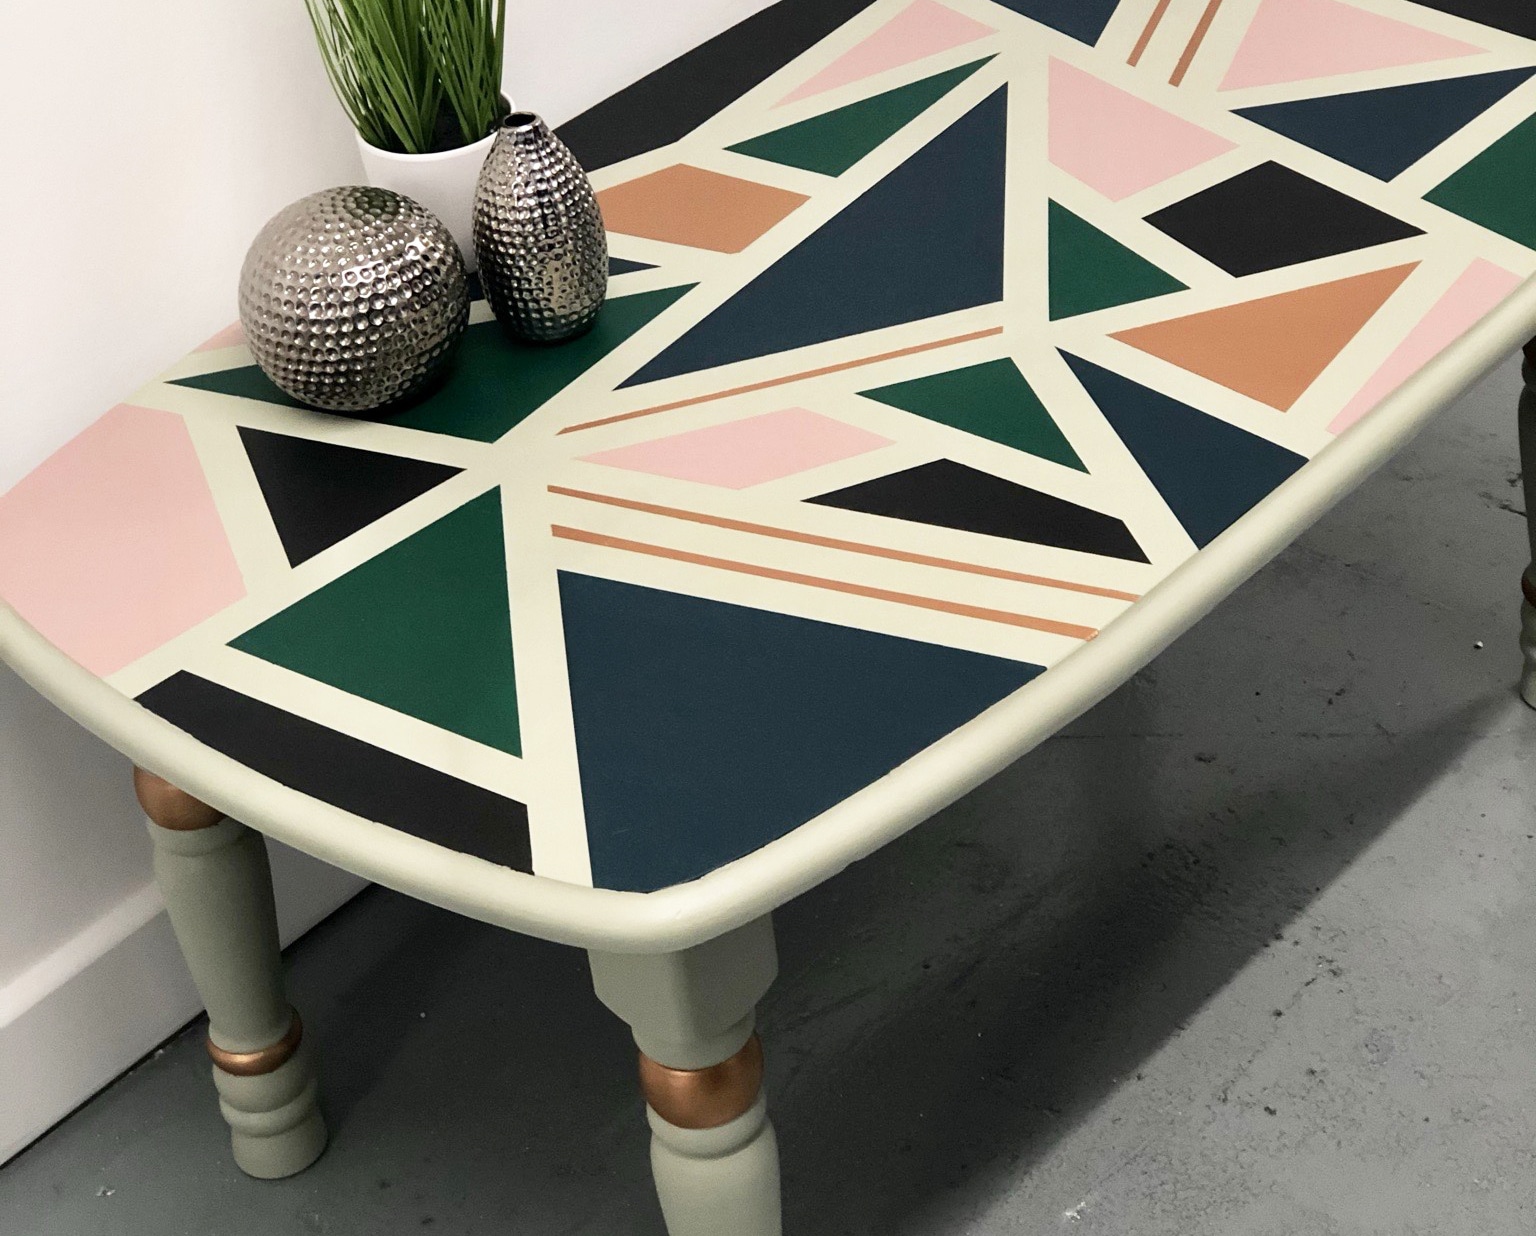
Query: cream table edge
685, 915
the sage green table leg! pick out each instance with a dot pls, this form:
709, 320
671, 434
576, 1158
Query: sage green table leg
1528, 582
217, 886
713, 1152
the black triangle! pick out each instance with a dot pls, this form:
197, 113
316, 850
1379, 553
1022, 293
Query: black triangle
950, 495
319, 493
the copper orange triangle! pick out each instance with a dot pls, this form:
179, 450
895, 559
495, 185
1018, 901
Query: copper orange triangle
1271, 349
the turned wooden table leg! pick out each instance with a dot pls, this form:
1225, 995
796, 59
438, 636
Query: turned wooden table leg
217, 886
1528, 582
713, 1153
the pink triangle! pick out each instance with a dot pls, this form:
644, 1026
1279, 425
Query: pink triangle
1295, 40
925, 29
1482, 288
1117, 143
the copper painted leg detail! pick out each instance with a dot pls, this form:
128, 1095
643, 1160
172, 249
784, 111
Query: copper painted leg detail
713, 1153
217, 886
1528, 467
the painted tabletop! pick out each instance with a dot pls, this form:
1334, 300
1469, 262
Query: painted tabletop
941, 332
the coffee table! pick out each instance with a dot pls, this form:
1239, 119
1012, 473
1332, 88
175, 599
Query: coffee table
960, 356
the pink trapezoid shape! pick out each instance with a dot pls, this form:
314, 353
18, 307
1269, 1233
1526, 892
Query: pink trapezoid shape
113, 546
1119, 144
925, 29
1481, 289
1297, 40
740, 454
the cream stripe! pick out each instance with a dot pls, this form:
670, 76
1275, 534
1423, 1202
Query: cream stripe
784, 381
1071, 630
854, 547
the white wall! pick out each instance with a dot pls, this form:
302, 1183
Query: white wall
143, 146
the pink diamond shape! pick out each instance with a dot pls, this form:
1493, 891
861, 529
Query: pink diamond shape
740, 454
113, 546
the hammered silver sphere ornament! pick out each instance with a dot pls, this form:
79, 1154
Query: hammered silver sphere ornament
352, 299
539, 235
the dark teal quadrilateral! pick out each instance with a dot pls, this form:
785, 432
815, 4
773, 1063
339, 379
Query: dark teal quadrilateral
1494, 189
493, 383
1209, 473
707, 730
1385, 132
925, 241
834, 141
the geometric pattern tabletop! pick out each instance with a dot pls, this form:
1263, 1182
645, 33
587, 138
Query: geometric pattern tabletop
941, 332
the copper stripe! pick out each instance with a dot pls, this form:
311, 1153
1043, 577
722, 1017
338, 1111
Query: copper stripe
1146, 35
704, 1098
794, 377
1202, 28
1048, 625
170, 808
1528, 586
853, 547
258, 1063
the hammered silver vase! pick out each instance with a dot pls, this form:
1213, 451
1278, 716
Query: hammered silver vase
539, 235
353, 298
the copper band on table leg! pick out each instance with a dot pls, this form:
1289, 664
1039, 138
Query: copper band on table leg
257, 1063
170, 808
1528, 586
704, 1098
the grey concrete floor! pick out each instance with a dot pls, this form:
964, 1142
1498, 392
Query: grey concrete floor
1249, 951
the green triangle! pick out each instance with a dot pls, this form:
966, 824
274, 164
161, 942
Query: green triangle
424, 628
247, 382
991, 400
834, 141
494, 383
1494, 190
1091, 270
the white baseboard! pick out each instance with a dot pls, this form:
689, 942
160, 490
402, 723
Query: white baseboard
86, 1012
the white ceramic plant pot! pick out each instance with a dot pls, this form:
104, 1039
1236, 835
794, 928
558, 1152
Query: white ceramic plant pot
444, 183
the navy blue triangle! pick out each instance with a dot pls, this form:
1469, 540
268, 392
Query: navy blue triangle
706, 730
1084, 20
1385, 132
1209, 473
626, 266
927, 240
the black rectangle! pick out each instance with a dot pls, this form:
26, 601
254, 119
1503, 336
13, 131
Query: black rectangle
676, 99
347, 772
